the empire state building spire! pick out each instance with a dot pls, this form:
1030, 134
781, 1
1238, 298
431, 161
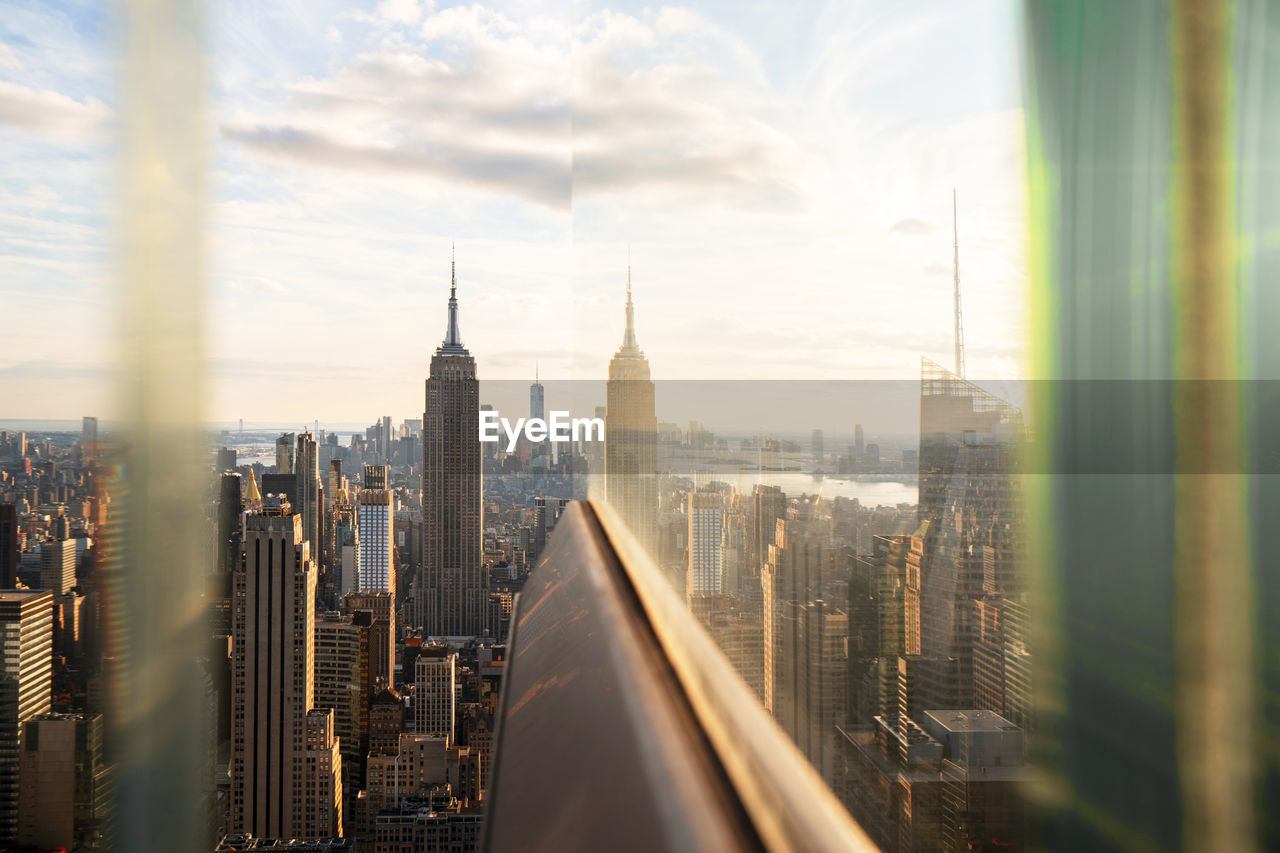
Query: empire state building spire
629, 344
452, 340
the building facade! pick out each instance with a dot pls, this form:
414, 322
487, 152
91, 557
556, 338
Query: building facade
434, 689
26, 680
631, 437
273, 686
455, 588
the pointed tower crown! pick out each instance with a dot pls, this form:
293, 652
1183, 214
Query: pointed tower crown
252, 494
629, 344
452, 339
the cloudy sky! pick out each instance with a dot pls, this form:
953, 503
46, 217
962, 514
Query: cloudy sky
782, 183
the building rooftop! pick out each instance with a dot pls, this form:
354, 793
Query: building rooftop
971, 721
20, 595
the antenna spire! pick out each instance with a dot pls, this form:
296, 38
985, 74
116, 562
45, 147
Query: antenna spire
629, 336
955, 231
452, 340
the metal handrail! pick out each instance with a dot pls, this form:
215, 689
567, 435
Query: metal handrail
781, 792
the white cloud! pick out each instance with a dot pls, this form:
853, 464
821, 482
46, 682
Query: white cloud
50, 113
407, 12
532, 109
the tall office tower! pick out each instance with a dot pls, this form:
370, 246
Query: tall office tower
789, 579
307, 469
971, 547
733, 546
539, 525
434, 686
65, 798
375, 516
8, 546
456, 588
1002, 660
817, 447
537, 398
376, 569
322, 801
344, 683
379, 607
859, 442
631, 437
741, 637
89, 438
230, 508
877, 626
26, 685
346, 546
822, 663
333, 485
58, 565
273, 686
284, 453
768, 504
384, 438
226, 459
706, 533
376, 477
434, 690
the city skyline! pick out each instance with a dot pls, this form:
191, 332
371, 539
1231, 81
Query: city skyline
308, 234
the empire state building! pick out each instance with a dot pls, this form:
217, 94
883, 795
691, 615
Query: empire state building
631, 437
455, 588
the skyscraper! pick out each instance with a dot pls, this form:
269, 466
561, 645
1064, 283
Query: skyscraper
384, 438
631, 436
307, 470
284, 453
344, 683
66, 784
537, 398
971, 548
375, 516
456, 588
346, 548
89, 438
334, 488
768, 504
706, 520
376, 567
26, 681
434, 685
275, 748
8, 546
58, 565
230, 507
